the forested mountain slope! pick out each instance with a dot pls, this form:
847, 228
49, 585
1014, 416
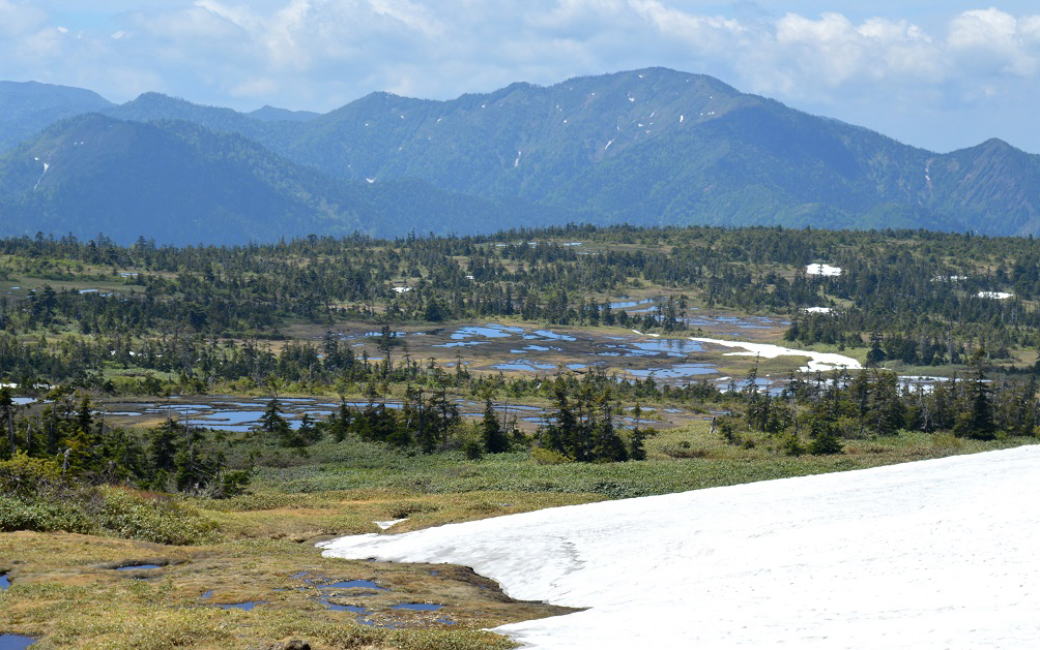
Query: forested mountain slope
180, 183
646, 147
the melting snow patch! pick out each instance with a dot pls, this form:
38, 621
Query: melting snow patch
402, 289
825, 270
818, 310
821, 361
996, 295
385, 525
930, 554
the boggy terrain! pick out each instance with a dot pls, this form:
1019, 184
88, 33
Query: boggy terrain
214, 412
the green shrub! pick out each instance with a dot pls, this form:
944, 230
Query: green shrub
544, 456
39, 515
163, 520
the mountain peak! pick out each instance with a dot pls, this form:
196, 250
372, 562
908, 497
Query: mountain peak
997, 143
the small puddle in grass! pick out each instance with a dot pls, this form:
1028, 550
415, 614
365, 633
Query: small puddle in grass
356, 609
524, 365
15, 642
353, 584
246, 606
489, 332
418, 607
551, 335
5, 582
677, 371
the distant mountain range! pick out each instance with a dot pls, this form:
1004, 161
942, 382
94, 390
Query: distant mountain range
647, 147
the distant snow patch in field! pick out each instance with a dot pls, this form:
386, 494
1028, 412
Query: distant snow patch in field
818, 310
925, 555
995, 295
402, 289
821, 361
825, 270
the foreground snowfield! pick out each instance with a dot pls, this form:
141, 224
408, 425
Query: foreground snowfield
932, 554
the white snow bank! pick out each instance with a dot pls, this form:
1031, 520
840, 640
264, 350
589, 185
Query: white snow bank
927, 555
996, 295
822, 361
825, 270
386, 525
817, 310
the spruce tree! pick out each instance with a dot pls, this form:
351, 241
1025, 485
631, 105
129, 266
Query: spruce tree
494, 438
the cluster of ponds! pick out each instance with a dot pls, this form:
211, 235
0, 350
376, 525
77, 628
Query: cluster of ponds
240, 416
329, 595
546, 350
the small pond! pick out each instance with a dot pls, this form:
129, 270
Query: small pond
15, 642
418, 607
353, 584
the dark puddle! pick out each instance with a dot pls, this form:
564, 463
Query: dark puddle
353, 584
15, 642
628, 304
139, 567
246, 606
529, 366
550, 335
418, 607
677, 371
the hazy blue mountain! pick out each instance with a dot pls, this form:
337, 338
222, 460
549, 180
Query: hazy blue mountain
657, 146
26, 108
151, 107
181, 183
647, 147
275, 114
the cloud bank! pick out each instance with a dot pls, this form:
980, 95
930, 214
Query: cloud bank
965, 75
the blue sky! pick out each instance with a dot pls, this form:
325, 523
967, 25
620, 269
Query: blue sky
940, 74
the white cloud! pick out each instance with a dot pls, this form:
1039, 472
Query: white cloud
18, 18
993, 39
